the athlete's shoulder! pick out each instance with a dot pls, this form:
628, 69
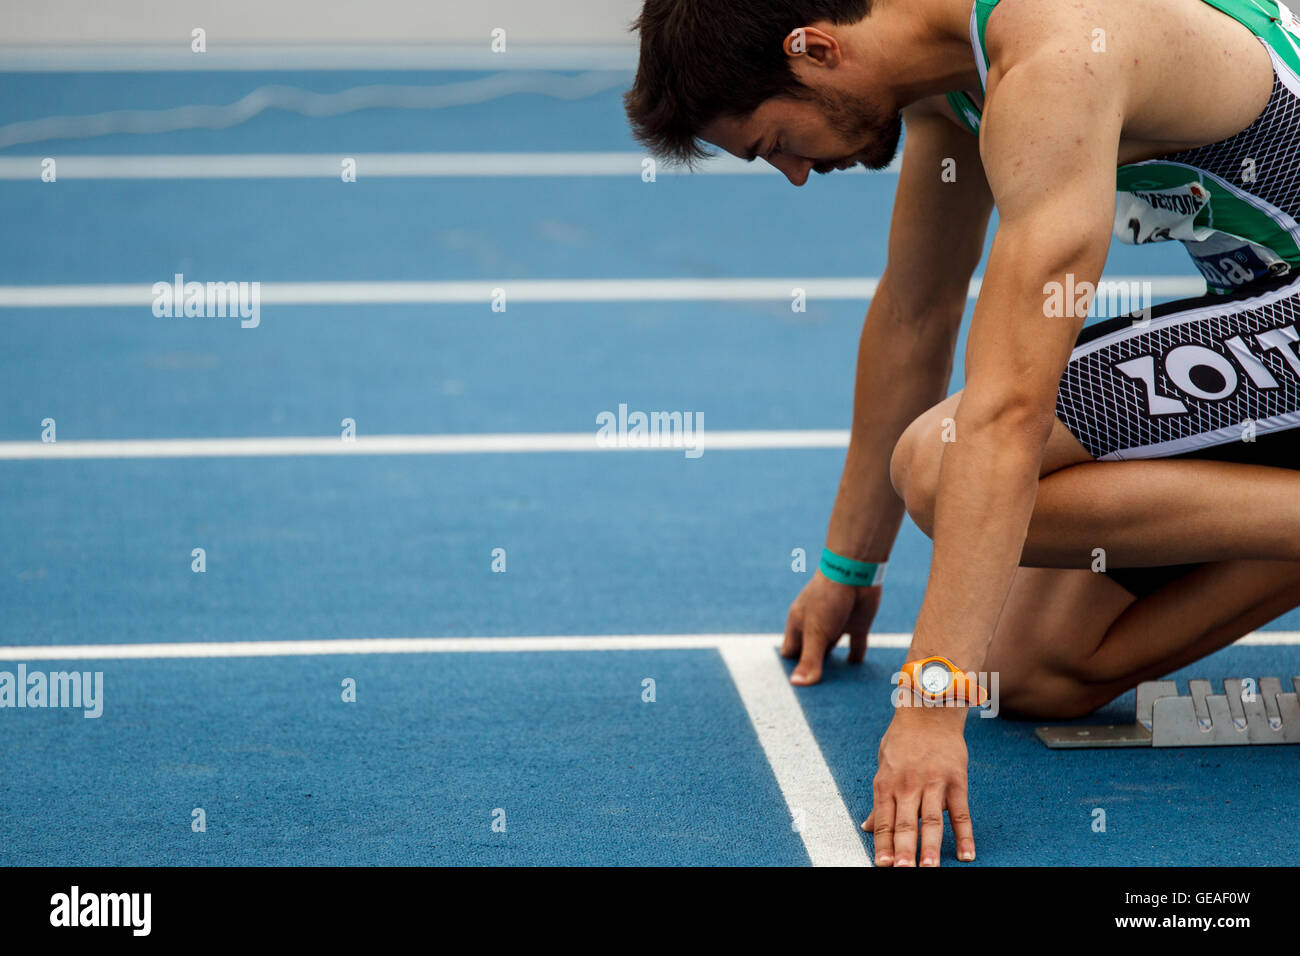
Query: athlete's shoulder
1021, 30
1076, 53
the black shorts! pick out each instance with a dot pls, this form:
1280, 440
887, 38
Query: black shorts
1215, 377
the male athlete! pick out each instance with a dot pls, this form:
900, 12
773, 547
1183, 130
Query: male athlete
1172, 445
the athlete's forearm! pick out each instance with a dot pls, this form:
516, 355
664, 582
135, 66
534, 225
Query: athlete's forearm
904, 366
936, 239
987, 487
988, 477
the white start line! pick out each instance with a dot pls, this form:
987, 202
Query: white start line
816, 806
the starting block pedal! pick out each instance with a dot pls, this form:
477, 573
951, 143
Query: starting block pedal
1246, 713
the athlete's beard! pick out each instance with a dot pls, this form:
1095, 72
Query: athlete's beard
856, 120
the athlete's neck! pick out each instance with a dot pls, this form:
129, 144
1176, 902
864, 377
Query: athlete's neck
917, 48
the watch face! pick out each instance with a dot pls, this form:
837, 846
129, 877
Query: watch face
935, 678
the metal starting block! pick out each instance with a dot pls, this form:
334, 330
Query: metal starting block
1164, 718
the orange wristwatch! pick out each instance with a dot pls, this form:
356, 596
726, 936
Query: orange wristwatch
938, 679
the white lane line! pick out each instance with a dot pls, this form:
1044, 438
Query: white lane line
462, 645
407, 645
1270, 639
370, 165
312, 55
461, 293
458, 292
816, 805
523, 290
477, 444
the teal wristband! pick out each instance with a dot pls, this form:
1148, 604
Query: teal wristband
860, 574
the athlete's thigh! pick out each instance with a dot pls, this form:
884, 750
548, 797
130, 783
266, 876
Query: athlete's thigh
1191, 381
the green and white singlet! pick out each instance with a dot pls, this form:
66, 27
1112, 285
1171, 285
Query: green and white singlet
1218, 376
1226, 202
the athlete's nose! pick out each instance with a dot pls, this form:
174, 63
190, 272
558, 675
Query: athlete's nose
795, 169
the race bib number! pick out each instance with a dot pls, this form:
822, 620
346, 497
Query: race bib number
1158, 215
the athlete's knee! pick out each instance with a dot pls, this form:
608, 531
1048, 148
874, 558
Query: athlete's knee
900, 463
914, 467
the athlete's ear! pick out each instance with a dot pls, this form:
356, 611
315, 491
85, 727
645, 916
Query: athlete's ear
819, 47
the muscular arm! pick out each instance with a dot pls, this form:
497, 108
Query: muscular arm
1050, 136
1049, 140
905, 352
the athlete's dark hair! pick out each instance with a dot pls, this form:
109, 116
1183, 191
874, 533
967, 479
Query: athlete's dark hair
706, 59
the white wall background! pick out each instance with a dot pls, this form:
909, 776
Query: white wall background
161, 25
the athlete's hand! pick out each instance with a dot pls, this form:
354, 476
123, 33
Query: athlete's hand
823, 612
921, 773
